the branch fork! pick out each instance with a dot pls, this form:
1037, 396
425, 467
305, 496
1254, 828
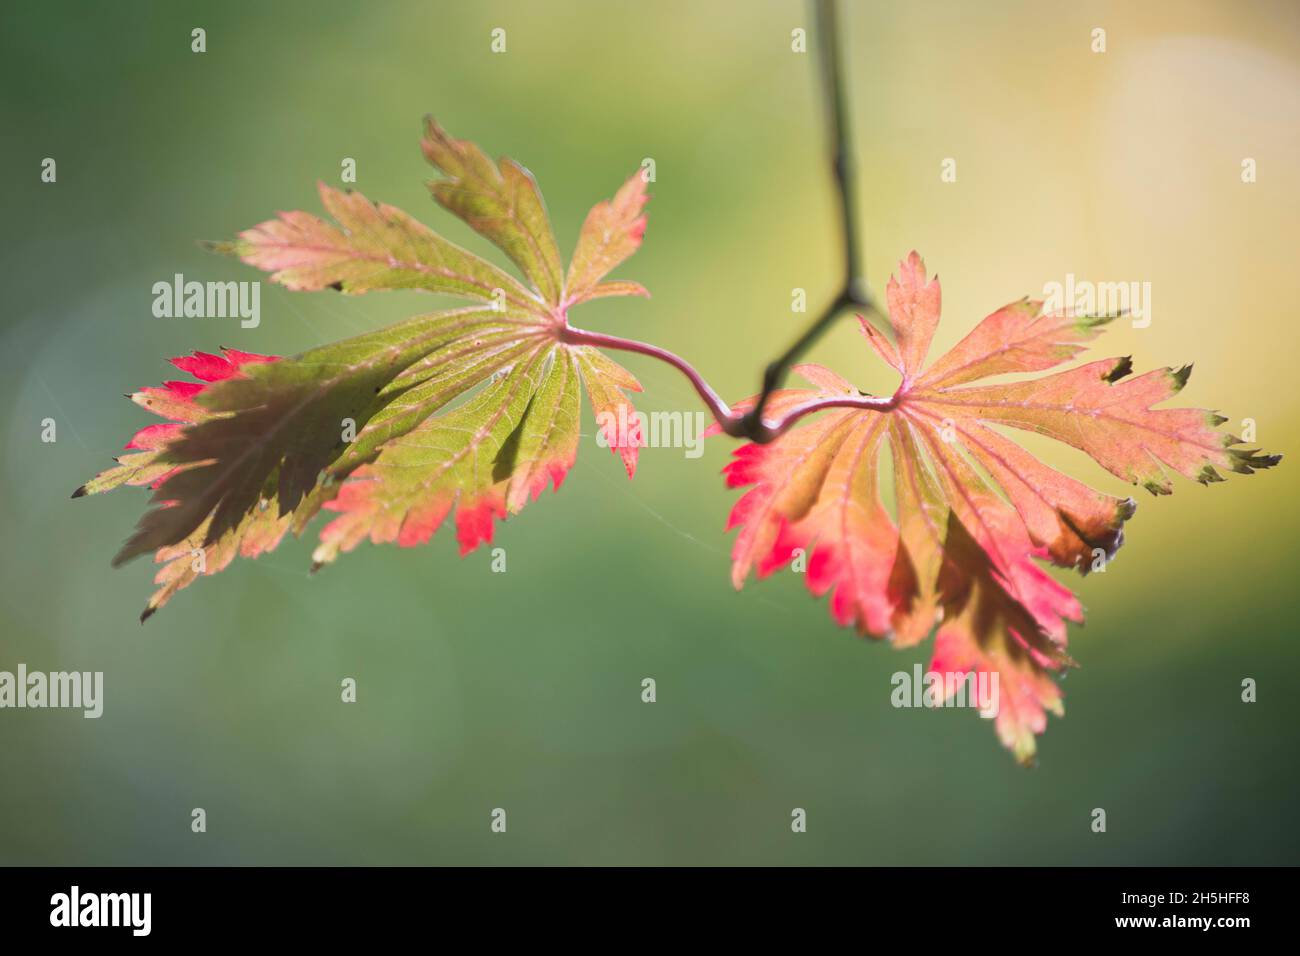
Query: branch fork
853, 293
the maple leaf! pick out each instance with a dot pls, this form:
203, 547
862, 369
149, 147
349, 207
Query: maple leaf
473, 410
976, 517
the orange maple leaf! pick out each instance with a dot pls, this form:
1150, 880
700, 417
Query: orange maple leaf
976, 516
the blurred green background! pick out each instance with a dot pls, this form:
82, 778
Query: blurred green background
522, 690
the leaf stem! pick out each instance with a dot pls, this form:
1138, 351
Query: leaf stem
733, 423
720, 410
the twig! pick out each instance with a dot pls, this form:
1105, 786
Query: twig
852, 293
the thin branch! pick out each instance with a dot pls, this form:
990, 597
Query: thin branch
852, 293
841, 151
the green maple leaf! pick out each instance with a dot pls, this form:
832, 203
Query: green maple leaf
258, 446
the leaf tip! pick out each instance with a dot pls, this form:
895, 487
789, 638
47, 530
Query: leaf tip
1086, 322
226, 247
1158, 488
1026, 754
1122, 367
1208, 475
1246, 461
80, 492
